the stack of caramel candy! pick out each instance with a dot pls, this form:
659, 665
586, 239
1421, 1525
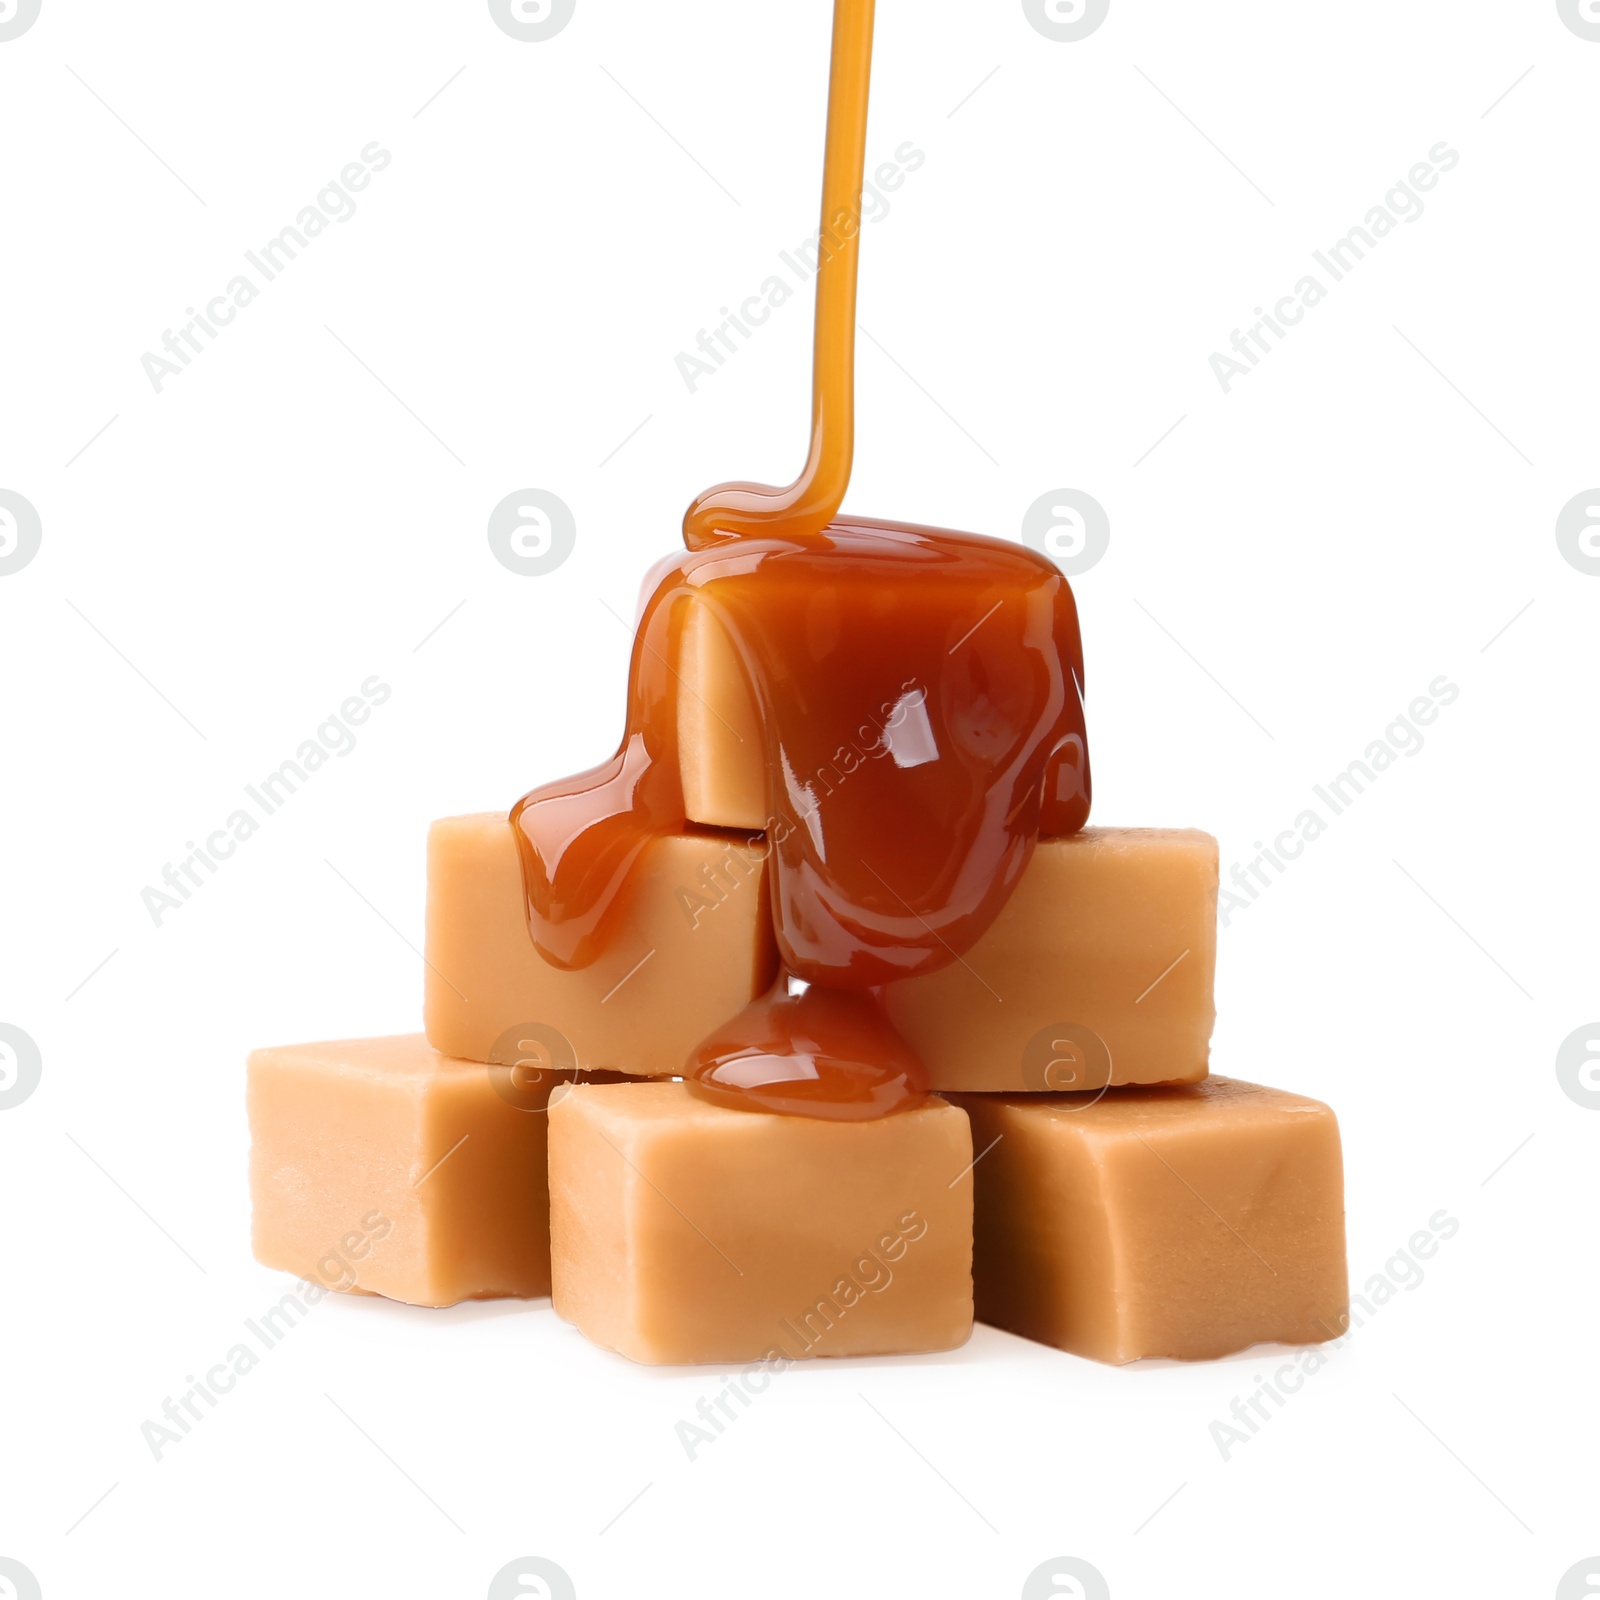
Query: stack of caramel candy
818, 1020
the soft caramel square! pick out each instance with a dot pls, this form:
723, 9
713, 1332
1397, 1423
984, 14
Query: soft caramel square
381, 1166
683, 1231
695, 946
1099, 970
1187, 1222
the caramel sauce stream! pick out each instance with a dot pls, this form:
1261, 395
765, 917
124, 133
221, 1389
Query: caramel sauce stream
810, 503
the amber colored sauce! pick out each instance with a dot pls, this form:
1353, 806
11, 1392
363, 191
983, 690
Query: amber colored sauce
921, 696
824, 1053
802, 511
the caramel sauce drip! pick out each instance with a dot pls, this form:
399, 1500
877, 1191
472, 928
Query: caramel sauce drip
921, 699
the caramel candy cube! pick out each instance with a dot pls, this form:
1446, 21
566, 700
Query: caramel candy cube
1099, 970
695, 946
683, 1231
722, 747
721, 744
1187, 1222
381, 1166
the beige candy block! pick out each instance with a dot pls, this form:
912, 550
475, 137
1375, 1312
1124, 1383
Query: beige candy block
381, 1166
688, 1232
1099, 970
1187, 1222
695, 947
721, 748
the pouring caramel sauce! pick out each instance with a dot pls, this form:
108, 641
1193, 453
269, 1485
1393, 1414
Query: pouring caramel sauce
949, 667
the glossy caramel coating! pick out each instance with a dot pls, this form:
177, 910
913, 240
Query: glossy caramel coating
914, 687
921, 699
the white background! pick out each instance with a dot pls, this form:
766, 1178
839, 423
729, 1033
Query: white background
228, 560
